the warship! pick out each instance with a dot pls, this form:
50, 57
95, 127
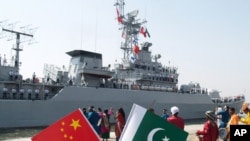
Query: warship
139, 78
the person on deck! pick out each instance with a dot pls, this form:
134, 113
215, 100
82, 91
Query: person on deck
34, 77
175, 119
4, 60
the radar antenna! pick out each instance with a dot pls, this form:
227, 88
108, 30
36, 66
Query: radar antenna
130, 26
26, 32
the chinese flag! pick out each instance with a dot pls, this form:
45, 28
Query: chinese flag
119, 17
73, 127
143, 32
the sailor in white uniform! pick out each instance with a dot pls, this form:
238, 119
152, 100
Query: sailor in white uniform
37, 93
5, 92
16, 74
29, 93
46, 92
21, 93
13, 91
11, 75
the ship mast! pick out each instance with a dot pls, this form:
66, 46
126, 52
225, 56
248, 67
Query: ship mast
130, 26
17, 49
18, 41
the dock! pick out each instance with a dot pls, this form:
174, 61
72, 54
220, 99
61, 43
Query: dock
191, 129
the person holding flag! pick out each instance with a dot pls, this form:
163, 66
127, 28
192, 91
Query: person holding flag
139, 127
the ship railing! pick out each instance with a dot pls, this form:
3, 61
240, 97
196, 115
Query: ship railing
28, 91
201, 91
158, 88
229, 99
8, 63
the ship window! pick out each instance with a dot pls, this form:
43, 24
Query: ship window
148, 68
153, 68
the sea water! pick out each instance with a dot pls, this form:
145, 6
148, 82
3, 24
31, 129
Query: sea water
18, 133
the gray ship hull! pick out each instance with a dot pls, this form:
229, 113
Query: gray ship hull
33, 113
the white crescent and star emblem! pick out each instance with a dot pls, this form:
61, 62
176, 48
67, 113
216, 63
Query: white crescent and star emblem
152, 133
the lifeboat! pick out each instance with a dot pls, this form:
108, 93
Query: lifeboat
163, 89
157, 88
144, 87
169, 89
151, 88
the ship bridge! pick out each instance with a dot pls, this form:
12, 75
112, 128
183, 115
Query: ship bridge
86, 68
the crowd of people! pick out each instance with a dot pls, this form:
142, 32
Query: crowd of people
219, 122
216, 123
100, 121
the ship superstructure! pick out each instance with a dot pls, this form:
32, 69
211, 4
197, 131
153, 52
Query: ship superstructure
139, 68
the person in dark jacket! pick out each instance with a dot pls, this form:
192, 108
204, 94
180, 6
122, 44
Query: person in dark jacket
225, 116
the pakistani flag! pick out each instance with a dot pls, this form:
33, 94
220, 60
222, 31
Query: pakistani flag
143, 125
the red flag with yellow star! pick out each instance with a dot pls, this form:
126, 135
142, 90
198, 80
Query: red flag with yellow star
73, 127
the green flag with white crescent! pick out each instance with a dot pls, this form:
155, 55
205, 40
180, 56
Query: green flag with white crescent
143, 125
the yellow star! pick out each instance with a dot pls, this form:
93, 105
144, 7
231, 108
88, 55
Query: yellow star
71, 138
75, 124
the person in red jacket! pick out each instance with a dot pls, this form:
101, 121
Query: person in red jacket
175, 119
210, 130
120, 123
